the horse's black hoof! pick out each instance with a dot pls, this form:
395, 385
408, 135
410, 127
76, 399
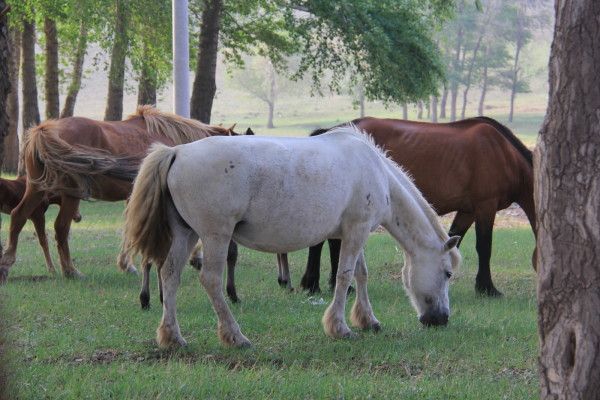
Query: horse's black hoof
489, 291
231, 293
145, 301
282, 283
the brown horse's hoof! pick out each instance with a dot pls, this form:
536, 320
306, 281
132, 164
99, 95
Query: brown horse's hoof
73, 274
489, 291
77, 217
3, 276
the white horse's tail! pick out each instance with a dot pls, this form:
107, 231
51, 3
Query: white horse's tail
146, 221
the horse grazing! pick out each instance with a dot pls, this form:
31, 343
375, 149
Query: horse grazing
11, 193
267, 194
79, 158
474, 167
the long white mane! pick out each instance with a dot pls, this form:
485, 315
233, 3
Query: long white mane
403, 175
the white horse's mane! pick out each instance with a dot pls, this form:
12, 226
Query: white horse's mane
351, 129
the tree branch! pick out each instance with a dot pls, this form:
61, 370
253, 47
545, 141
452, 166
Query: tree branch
5, 11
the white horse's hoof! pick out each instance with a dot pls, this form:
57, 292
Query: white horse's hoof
167, 337
131, 270
231, 339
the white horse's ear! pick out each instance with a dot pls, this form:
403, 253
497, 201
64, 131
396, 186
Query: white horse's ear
451, 243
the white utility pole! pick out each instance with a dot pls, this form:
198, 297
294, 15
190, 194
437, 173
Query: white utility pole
181, 59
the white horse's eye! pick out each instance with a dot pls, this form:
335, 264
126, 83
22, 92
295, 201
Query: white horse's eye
448, 274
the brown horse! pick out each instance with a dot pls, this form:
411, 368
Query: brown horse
79, 158
474, 167
11, 193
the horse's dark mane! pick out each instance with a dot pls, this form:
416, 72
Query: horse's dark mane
507, 133
319, 131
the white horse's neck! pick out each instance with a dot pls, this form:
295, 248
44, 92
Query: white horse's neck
412, 220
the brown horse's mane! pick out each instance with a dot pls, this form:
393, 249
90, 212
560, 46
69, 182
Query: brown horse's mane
178, 129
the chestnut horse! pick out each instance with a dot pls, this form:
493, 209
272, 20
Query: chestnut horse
75, 159
11, 193
474, 167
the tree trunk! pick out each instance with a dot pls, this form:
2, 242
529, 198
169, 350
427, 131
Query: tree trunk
456, 67
5, 88
567, 194
272, 93
147, 82
361, 100
116, 76
428, 108
420, 109
469, 74
515, 81
31, 113
271, 112
484, 83
404, 111
77, 73
443, 103
205, 85
434, 109
51, 75
11, 141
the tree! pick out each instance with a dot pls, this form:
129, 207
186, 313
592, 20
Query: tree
5, 86
567, 195
116, 75
11, 141
396, 62
51, 71
76, 74
31, 113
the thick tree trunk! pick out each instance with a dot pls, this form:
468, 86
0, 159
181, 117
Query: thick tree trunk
434, 108
484, 83
567, 194
77, 72
5, 88
51, 75
11, 141
147, 82
116, 76
404, 111
205, 85
443, 103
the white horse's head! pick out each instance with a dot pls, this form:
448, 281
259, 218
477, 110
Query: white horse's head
426, 277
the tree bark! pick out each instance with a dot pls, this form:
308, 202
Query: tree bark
11, 141
272, 94
404, 111
116, 76
147, 82
5, 88
31, 113
205, 85
567, 194
420, 109
77, 73
361, 100
434, 108
51, 75
443, 103
484, 83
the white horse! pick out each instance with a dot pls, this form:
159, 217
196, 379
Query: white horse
280, 195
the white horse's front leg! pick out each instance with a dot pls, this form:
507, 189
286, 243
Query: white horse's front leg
211, 277
334, 320
362, 313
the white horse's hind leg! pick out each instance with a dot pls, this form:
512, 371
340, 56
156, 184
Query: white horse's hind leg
362, 314
334, 320
211, 277
168, 333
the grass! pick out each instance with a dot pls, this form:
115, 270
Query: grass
89, 338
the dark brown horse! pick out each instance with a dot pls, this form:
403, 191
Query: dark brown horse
474, 167
79, 158
11, 193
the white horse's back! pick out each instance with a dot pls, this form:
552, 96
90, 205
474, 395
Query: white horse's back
281, 194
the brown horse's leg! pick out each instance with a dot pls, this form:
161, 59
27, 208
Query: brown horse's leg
310, 279
39, 222
484, 224
62, 225
460, 225
125, 262
232, 254
30, 201
334, 255
145, 292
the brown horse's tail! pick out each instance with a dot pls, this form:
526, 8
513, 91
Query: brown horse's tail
55, 165
146, 221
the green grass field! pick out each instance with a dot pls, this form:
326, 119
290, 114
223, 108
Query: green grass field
90, 339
